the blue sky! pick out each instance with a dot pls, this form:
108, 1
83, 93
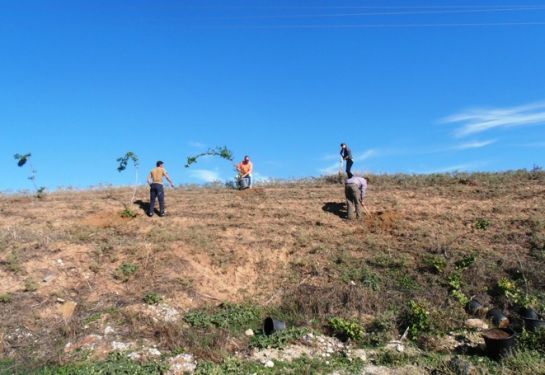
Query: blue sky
412, 86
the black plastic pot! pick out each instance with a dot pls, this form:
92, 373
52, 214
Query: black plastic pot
473, 307
497, 318
499, 342
529, 313
534, 325
271, 325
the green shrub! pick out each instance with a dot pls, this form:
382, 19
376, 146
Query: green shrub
152, 298
5, 298
347, 328
226, 316
279, 339
128, 213
435, 263
125, 271
481, 223
417, 318
466, 262
30, 285
532, 341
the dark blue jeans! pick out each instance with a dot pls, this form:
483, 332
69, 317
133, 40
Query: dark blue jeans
349, 163
156, 191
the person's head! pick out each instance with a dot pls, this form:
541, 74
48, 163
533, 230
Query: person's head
159, 163
343, 145
246, 158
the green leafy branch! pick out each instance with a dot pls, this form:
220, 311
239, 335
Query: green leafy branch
222, 152
124, 162
23, 159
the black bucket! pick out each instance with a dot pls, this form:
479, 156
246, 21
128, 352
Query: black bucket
534, 325
271, 325
497, 318
499, 342
529, 313
474, 307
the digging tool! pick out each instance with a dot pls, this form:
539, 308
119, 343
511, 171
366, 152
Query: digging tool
365, 209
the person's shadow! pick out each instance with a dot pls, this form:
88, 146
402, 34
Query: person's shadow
336, 208
144, 206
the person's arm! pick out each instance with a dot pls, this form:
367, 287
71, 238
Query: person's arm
363, 187
169, 180
150, 179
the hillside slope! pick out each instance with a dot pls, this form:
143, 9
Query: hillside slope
71, 265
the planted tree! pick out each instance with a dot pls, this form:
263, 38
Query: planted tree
123, 163
222, 152
23, 159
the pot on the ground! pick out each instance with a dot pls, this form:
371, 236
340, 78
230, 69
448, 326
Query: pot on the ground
497, 317
534, 325
499, 342
271, 325
473, 307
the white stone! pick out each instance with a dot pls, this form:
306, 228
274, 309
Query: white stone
249, 332
120, 346
108, 330
269, 364
476, 324
154, 352
134, 356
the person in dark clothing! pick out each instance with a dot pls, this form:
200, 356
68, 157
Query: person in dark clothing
346, 154
155, 180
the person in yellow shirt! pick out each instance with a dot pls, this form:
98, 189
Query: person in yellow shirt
245, 169
155, 181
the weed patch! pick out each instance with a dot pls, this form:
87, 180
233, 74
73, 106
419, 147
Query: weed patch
231, 316
346, 329
152, 298
279, 339
125, 271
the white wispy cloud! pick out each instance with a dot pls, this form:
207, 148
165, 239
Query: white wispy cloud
357, 157
481, 119
205, 175
196, 144
464, 167
365, 155
259, 178
330, 169
474, 144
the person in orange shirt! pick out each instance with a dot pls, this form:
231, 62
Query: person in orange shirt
245, 169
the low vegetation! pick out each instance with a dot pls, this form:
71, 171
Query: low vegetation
196, 282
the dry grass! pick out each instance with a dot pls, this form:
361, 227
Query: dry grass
284, 246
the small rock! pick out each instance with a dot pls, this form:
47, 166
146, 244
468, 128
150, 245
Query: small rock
182, 364
476, 324
352, 283
154, 352
120, 346
60, 300
48, 278
400, 348
359, 353
269, 364
249, 332
108, 330
134, 356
